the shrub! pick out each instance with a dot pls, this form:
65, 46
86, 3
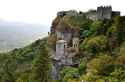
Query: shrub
69, 73
94, 44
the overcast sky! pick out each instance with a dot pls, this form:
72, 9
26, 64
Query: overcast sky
44, 11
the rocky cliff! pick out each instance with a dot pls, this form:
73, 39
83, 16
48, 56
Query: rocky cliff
63, 41
70, 30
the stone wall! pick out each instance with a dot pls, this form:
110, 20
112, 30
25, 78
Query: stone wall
91, 15
115, 13
68, 13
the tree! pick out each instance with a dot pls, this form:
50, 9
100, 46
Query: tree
69, 73
94, 44
96, 27
82, 66
8, 72
41, 66
102, 65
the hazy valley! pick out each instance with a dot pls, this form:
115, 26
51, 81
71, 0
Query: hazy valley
16, 35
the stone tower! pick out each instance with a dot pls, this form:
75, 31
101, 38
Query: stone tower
58, 59
104, 12
61, 46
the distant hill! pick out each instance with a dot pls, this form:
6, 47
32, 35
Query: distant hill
16, 35
20, 60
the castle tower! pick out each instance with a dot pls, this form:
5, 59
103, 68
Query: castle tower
61, 46
104, 12
75, 42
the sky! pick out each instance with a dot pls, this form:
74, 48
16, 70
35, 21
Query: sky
44, 11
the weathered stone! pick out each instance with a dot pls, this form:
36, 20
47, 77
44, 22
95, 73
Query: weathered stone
68, 13
102, 13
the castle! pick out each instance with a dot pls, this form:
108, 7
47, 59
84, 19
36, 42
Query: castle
102, 12
67, 37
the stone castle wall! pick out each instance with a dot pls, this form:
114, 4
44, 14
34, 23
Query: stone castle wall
102, 13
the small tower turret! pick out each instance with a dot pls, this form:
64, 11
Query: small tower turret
104, 12
61, 46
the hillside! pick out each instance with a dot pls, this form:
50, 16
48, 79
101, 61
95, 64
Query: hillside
17, 64
77, 49
101, 48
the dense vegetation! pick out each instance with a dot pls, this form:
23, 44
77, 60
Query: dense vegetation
102, 51
101, 56
26, 64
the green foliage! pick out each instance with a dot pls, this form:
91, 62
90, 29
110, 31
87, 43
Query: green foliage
119, 74
96, 27
41, 66
90, 77
90, 28
69, 73
23, 78
85, 29
102, 45
101, 65
82, 66
116, 31
94, 44
120, 23
15, 66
